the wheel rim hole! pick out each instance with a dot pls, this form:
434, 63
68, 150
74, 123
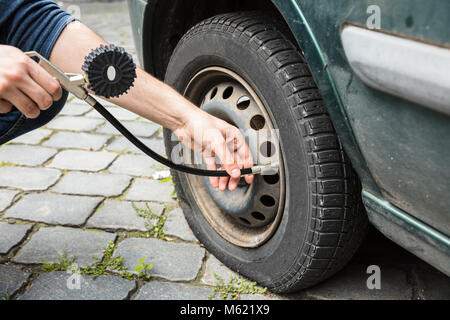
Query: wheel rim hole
257, 122
268, 201
243, 103
267, 149
227, 92
258, 216
213, 93
272, 179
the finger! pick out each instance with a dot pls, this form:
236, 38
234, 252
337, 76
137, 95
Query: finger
45, 80
22, 102
249, 178
242, 155
245, 158
223, 181
210, 161
232, 146
36, 93
226, 158
5, 106
234, 141
230, 166
220, 149
233, 183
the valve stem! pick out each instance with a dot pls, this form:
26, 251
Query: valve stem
266, 170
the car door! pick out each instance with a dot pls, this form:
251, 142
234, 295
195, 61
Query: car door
387, 59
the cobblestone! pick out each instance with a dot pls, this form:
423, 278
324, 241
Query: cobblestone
25, 155
150, 190
6, 198
11, 235
11, 279
74, 123
351, 284
120, 215
138, 128
118, 113
157, 290
77, 140
82, 160
171, 261
64, 286
28, 179
54, 209
50, 243
177, 226
215, 267
93, 184
120, 144
75, 107
431, 284
33, 137
135, 165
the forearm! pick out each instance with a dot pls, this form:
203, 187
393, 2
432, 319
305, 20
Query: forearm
153, 100
150, 98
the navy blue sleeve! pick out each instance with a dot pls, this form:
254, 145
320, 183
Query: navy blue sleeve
32, 25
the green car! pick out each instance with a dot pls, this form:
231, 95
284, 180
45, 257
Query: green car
351, 99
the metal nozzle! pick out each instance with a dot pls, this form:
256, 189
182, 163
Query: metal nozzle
266, 170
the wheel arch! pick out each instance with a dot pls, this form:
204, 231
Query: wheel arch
166, 21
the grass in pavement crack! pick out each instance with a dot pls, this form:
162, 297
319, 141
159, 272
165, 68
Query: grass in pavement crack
233, 289
154, 223
6, 298
109, 264
142, 268
7, 164
63, 264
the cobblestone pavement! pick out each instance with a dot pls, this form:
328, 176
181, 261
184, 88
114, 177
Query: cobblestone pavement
72, 188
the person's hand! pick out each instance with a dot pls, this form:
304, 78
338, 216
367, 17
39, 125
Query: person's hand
213, 137
25, 84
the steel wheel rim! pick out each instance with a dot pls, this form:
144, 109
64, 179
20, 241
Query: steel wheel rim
267, 195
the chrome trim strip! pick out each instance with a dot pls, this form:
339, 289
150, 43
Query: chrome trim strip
409, 69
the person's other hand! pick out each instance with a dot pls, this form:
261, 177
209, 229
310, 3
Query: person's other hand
213, 137
25, 84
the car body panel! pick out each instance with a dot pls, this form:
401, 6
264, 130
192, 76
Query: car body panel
408, 232
403, 145
399, 149
137, 9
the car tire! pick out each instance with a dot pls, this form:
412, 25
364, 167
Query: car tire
323, 220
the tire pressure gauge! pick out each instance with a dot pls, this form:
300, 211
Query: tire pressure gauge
110, 71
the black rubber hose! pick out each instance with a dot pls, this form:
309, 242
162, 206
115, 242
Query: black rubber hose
152, 154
